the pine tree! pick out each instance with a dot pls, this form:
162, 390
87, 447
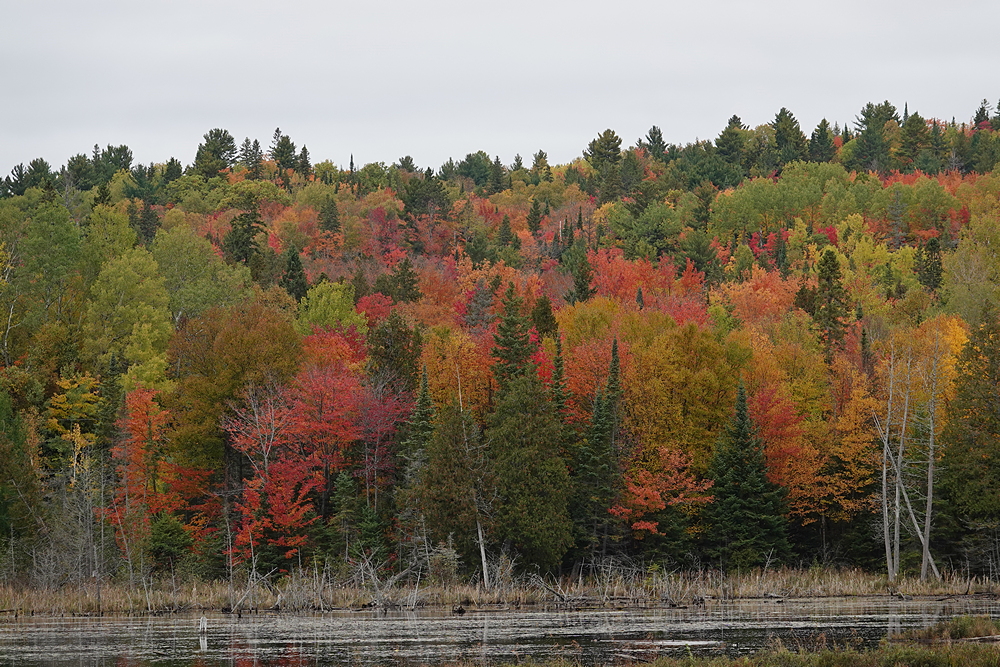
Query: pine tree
542, 317
928, 266
821, 147
788, 137
830, 306
420, 425
971, 445
329, 216
512, 347
534, 217
293, 279
558, 392
583, 276
531, 480
747, 527
505, 237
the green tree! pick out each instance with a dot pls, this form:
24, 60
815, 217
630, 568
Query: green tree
535, 216
821, 146
394, 352
401, 285
731, 142
583, 277
543, 318
531, 480
512, 347
127, 318
971, 444
789, 140
293, 279
329, 216
329, 305
194, 275
871, 151
831, 302
746, 523
655, 145
215, 154
252, 158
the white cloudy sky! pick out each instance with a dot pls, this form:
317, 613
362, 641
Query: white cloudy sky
443, 78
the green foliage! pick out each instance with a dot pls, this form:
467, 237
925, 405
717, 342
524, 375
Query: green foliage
543, 319
329, 305
512, 347
293, 279
531, 480
401, 285
217, 153
747, 527
127, 317
394, 352
194, 276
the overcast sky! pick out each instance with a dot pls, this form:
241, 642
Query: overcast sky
442, 78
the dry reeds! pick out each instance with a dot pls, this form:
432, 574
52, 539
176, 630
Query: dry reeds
607, 585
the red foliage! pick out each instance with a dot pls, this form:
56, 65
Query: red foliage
375, 307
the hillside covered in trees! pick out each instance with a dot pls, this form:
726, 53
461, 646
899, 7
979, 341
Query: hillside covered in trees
770, 347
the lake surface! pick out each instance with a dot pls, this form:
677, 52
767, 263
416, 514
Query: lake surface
371, 637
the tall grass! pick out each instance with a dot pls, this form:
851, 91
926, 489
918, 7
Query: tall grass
608, 585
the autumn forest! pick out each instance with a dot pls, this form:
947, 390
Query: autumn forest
777, 347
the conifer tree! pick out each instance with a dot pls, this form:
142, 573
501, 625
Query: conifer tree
504, 236
582, 277
512, 347
534, 217
929, 270
542, 317
557, 389
830, 302
531, 480
329, 216
821, 147
747, 527
294, 277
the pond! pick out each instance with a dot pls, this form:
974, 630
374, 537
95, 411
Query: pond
371, 637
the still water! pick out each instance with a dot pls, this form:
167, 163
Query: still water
370, 638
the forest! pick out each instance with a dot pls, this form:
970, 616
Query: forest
768, 348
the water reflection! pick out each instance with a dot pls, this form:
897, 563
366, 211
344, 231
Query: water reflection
589, 636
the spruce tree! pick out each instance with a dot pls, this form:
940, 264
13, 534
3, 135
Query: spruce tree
582, 277
294, 277
534, 217
505, 236
329, 216
830, 306
542, 317
512, 347
746, 522
531, 480
821, 146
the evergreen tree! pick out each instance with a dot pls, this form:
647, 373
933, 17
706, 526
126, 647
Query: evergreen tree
639, 298
329, 216
830, 307
512, 347
252, 159
531, 480
747, 527
216, 153
534, 216
394, 352
971, 444
147, 224
294, 277
655, 144
871, 151
303, 165
542, 317
821, 146
558, 392
402, 285
929, 270
789, 140
583, 276
505, 237
731, 143
240, 243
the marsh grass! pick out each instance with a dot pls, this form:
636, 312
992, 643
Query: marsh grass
957, 628
611, 585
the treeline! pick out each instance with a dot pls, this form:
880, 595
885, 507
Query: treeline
767, 348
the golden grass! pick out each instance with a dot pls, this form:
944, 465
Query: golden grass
611, 587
